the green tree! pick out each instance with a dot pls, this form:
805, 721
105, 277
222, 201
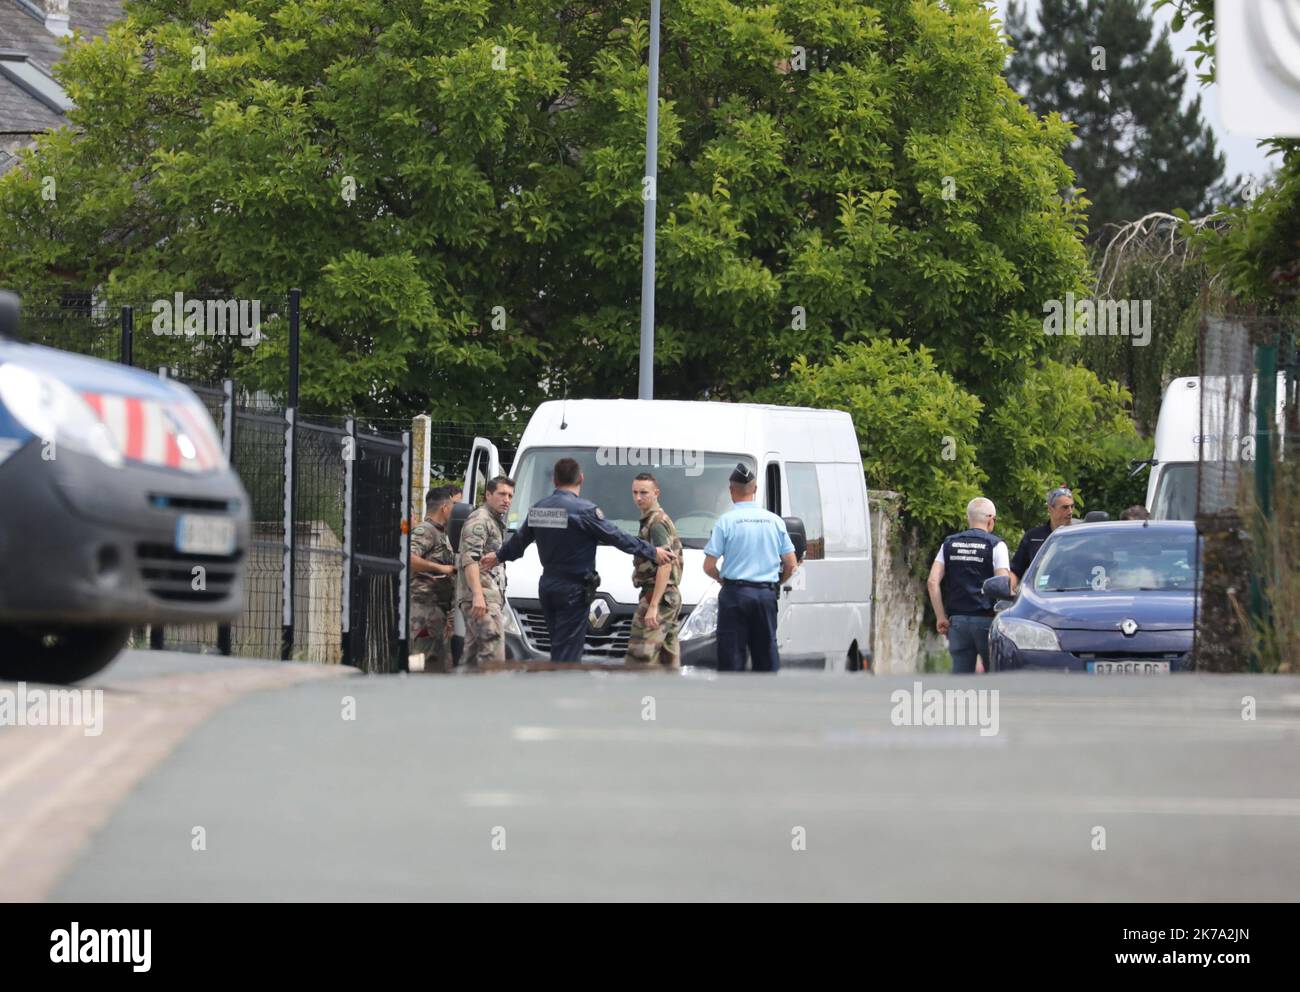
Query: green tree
932, 440
830, 173
1100, 65
918, 428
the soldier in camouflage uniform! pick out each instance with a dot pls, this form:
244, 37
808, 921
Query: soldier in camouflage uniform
653, 641
481, 593
433, 583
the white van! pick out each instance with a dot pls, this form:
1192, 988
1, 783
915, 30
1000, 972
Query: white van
1182, 440
808, 466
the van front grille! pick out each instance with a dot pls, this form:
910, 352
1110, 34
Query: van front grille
610, 643
170, 575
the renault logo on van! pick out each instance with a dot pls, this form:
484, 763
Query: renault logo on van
598, 615
1129, 627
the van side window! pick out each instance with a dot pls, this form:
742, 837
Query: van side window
774, 488
806, 504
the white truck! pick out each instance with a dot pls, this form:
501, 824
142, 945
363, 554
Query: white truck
1186, 436
808, 465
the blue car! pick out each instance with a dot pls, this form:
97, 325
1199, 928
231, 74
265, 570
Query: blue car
1112, 597
117, 509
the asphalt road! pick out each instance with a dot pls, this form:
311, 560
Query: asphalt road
556, 786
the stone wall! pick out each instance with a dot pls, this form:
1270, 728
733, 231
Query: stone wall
899, 596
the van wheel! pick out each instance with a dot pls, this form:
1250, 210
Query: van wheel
58, 654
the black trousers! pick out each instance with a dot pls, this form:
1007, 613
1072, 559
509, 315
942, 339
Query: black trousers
565, 604
747, 621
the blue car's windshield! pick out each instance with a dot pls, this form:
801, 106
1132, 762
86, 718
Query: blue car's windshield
1116, 560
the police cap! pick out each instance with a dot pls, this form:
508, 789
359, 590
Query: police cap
741, 475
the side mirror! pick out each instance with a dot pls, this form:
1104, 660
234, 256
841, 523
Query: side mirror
1095, 516
10, 307
798, 536
459, 514
997, 587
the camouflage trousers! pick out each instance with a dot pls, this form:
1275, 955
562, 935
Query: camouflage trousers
485, 639
429, 635
656, 645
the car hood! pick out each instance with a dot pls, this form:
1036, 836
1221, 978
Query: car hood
84, 374
1106, 610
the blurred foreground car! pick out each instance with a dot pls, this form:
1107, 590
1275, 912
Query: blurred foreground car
117, 508
1115, 597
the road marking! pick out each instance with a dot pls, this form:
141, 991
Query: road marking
884, 736
1248, 806
496, 799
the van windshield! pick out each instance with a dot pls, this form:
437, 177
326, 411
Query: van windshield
692, 484
1175, 497
1176, 492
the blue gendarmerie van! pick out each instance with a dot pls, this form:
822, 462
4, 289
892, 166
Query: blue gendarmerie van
117, 509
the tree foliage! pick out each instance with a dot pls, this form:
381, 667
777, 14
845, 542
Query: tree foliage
919, 428
830, 172
1100, 65
854, 209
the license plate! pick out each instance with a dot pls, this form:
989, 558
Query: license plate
200, 534
1129, 667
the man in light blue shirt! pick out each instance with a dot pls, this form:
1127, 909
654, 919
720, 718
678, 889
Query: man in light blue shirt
757, 556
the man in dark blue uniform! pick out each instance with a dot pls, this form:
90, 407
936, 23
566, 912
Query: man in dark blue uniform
964, 561
567, 529
1060, 513
757, 556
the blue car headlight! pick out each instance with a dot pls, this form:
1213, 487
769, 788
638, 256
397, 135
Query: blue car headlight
1027, 635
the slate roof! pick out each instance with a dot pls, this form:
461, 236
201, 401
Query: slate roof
20, 31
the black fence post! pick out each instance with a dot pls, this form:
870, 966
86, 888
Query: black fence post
126, 354
224, 640
290, 515
404, 576
349, 531
290, 476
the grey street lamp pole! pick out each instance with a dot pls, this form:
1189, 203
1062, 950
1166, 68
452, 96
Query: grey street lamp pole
646, 388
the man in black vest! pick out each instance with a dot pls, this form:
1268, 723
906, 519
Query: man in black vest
964, 561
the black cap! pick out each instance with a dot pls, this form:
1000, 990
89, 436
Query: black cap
741, 475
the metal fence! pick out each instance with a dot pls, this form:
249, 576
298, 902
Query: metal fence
1248, 473
331, 497
327, 575
199, 340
